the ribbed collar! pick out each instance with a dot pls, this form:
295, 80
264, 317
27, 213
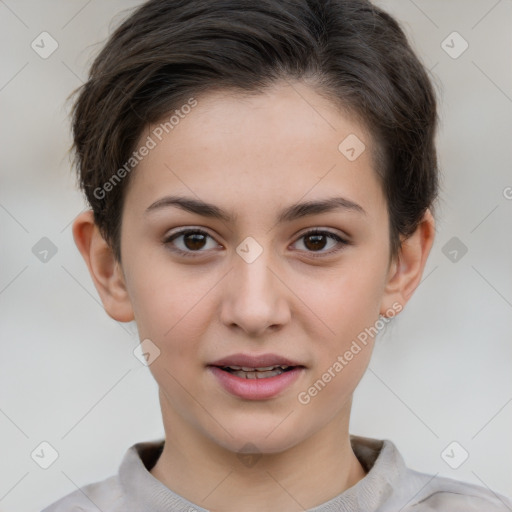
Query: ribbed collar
381, 460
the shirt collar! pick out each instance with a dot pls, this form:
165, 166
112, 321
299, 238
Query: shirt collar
380, 459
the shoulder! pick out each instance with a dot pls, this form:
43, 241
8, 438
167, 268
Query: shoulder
422, 492
118, 493
456, 495
103, 495
398, 487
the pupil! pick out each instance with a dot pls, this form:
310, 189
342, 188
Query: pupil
194, 241
316, 241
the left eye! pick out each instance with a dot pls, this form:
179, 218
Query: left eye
193, 242
316, 240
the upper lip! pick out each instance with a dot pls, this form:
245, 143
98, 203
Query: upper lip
255, 361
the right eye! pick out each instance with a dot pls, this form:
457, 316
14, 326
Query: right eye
189, 242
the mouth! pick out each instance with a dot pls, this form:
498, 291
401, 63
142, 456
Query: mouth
256, 366
256, 377
245, 372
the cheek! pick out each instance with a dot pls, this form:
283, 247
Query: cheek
172, 315
348, 305
331, 390
171, 307
348, 301
349, 308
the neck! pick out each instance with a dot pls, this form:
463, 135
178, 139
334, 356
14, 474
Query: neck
301, 477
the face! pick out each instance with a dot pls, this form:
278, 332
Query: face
253, 275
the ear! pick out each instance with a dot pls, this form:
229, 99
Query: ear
406, 270
105, 271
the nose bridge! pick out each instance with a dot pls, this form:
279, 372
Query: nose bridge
252, 269
255, 300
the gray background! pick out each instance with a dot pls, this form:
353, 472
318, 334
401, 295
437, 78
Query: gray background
440, 373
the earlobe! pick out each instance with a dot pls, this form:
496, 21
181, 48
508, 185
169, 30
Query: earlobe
406, 272
105, 271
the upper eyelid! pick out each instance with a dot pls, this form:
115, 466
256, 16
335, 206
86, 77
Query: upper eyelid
181, 231
184, 231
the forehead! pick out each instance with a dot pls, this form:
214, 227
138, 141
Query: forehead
274, 147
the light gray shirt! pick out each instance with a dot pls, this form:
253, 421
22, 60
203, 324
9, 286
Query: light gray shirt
389, 486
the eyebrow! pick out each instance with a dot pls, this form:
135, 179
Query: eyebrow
291, 213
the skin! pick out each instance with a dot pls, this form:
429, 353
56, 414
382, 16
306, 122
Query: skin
253, 156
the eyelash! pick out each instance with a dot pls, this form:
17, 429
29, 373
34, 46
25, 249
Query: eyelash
193, 254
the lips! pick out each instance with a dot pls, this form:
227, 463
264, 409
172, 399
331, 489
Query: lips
253, 362
256, 376
245, 372
259, 388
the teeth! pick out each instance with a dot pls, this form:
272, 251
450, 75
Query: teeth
262, 369
257, 374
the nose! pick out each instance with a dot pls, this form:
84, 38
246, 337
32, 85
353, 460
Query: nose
255, 298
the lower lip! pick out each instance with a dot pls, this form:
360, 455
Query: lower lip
255, 389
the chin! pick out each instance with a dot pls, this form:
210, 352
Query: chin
258, 437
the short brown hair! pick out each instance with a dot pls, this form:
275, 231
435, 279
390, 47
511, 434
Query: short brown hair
168, 51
